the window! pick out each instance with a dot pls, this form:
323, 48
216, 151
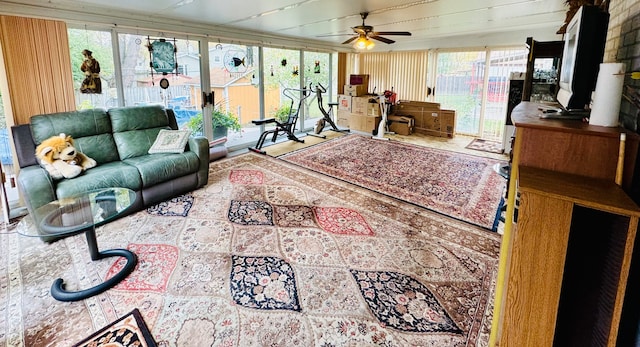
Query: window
282, 80
142, 84
316, 71
235, 79
183, 69
6, 161
234, 76
100, 46
476, 85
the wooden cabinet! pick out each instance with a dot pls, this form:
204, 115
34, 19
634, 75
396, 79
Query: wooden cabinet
564, 262
570, 259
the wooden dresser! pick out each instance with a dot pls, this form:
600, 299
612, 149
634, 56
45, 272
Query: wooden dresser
567, 247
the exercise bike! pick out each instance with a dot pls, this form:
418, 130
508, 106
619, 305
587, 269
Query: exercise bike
287, 127
327, 117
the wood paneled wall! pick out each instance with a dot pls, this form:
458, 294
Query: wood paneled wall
37, 66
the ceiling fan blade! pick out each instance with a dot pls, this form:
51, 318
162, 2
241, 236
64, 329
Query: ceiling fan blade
387, 33
380, 38
350, 40
330, 35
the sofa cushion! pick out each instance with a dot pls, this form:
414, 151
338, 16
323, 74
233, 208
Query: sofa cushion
101, 147
135, 143
75, 123
156, 168
114, 174
135, 128
138, 118
90, 130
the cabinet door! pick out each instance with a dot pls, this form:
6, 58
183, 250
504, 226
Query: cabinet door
535, 276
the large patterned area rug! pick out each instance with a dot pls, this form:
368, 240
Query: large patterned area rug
267, 253
455, 184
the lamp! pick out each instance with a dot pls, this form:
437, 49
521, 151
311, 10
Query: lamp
363, 42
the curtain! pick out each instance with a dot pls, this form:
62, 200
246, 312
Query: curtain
36, 66
404, 72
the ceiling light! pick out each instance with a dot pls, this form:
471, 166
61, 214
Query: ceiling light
363, 43
370, 44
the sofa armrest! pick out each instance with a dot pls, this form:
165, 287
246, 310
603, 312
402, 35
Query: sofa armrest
36, 186
200, 146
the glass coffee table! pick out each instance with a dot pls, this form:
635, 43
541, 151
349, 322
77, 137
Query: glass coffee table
82, 213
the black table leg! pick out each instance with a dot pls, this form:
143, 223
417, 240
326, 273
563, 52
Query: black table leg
59, 293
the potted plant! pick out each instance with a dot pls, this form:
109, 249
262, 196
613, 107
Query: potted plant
282, 114
221, 121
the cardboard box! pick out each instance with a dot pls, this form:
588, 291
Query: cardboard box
344, 103
428, 117
364, 123
342, 118
359, 80
448, 123
373, 109
423, 112
355, 89
401, 128
430, 121
402, 125
417, 105
359, 104
442, 125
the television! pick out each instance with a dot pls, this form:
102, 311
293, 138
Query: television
584, 42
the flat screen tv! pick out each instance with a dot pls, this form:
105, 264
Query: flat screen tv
584, 43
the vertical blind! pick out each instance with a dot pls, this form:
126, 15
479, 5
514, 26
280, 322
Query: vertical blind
37, 67
404, 72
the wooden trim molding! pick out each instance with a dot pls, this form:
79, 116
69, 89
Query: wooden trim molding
342, 72
37, 66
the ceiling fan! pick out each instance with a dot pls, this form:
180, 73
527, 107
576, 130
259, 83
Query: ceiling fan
364, 32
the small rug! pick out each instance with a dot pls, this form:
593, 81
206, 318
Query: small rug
129, 330
486, 146
458, 185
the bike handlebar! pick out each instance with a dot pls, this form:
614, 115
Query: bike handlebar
306, 92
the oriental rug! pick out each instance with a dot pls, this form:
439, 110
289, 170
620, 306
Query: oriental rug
458, 185
129, 330
267, 253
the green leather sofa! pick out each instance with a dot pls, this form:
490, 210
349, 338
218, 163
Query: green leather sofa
119, 140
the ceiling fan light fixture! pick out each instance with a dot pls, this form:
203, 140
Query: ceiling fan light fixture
370, 44
363, 43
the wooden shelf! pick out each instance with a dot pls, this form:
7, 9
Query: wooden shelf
585, 191
564, 265
569, 261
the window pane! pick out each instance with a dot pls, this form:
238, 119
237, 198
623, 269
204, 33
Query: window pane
316, 67
98, 73
502, 63
459, 82
146, 86
234, 75
282, 74
6, 160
